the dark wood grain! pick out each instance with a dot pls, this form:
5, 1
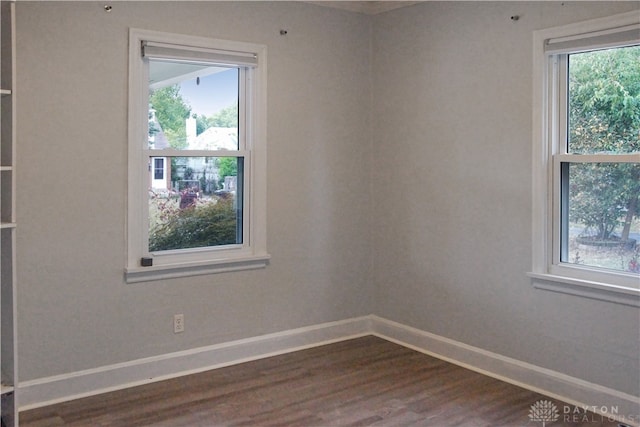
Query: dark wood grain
362, 382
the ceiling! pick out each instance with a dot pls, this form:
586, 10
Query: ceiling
366, 7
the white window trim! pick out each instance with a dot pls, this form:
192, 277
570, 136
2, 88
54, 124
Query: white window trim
546, 274
252, 253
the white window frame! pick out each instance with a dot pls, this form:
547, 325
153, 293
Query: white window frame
548, 109
252, 253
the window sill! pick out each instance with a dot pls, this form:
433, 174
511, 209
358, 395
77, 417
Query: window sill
160, 272
586, 289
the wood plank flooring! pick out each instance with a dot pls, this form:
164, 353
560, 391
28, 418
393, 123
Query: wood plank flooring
362, 382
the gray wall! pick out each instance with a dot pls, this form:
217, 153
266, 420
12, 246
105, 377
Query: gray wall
75, 311
416, 207
452, 155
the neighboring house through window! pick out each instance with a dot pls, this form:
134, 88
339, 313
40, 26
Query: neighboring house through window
197, 156
587, 159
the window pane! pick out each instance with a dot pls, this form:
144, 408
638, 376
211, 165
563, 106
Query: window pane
604, 101
193, 106
600, 224
158, 169
200, 207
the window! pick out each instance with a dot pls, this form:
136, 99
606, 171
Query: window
586, 138
197, 156
158, 169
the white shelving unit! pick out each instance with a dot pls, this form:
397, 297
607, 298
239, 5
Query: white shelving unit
8, 353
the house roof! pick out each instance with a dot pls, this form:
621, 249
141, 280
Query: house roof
161, 141
216, 138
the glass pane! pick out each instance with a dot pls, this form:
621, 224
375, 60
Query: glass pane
192, 106
604, 101
600, 215
199, 206
158, 169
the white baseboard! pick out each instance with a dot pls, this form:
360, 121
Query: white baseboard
60, 388
50, 390
554, 384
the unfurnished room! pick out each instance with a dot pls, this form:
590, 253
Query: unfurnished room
318, 213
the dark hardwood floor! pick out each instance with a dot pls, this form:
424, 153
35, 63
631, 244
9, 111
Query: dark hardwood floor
362, 382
